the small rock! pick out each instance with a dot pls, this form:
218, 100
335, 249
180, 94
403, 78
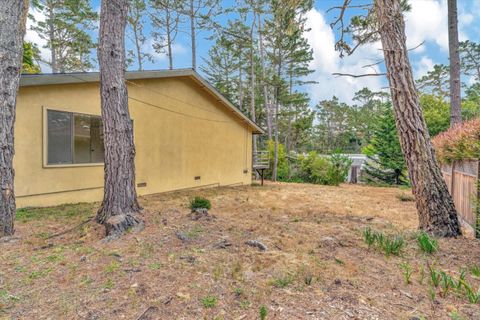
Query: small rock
182, 236
135, 285
222, 244
256, 244
189, 259
199, 213
83, 258
338, 282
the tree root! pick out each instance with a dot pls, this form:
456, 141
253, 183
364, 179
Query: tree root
121, 224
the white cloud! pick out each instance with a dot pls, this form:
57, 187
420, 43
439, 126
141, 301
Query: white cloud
427, 21
422, 66
327, 61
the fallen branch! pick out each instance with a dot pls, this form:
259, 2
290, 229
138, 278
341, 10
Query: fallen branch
71, 229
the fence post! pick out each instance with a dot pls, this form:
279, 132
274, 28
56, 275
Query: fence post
477, 204
452, 182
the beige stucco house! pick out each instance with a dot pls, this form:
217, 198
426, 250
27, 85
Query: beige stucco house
187, 135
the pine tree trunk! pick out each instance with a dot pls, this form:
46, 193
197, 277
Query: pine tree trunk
12, 30
435, 206
453, 48
264, 85
120, 205
138, 48
252, 85
51, 35
169, 39
193, 36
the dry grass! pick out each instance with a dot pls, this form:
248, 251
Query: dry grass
316, 265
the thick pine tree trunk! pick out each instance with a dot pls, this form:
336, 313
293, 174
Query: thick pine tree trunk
435, 206
453, 48
12, 29
119, 208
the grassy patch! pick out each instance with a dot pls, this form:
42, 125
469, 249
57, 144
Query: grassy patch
405, 197
209, 301
200, 203
282, 282
263, 312
67, 211
390, 245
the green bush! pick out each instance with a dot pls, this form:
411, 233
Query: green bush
283, 171
200, 203
331, 170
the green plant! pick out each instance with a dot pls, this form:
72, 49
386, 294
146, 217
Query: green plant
155, 266
475, 271
282, 282
407, 271
434, 276
112, 267
426, 243
200, 203
393, 245
446, 283
263, 312
238, 291
472, 295
209, 301
422, 275
369, 236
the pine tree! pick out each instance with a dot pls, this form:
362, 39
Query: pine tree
386, 163
65, 30
30, 56
137, 18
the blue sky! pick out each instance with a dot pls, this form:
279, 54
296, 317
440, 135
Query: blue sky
426, 22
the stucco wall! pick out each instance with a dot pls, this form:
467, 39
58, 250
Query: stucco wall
200, 138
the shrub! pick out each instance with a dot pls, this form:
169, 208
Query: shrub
427, 244
458, 143
331, 170
200, 203
283, 171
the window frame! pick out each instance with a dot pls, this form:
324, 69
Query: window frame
45, 140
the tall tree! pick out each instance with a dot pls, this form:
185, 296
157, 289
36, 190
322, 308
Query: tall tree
12, 30
120, 206
435, 206
289, 55
384, 21
136, 22
30, 56
65, 30
165, 22
453, 48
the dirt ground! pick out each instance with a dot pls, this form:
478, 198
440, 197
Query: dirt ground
316, 266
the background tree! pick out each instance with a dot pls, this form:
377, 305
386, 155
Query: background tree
453, 49
165, 23
435, 82
12, 31
65, 30
470, 58
136, 22
30, 56
118, 211
386, 163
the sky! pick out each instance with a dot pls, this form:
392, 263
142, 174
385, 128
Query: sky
426, 23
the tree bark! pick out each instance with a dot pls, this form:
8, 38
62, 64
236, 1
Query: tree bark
120, 196
12, 31
436, 210
264, 85
453, 48
252, 84
193, 36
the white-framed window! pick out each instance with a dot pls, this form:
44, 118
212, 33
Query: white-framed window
74, 138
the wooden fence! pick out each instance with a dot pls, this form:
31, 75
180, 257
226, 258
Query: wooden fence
462, 181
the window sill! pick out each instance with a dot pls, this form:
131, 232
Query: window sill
72, 165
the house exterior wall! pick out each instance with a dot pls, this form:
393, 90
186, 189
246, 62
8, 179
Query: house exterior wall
200, 138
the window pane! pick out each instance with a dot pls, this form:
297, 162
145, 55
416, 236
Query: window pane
96, 135
59, 137
82, 139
